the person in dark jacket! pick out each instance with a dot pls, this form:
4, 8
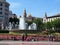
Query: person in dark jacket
23, 37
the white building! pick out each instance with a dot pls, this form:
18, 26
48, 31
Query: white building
4, 13
50, 18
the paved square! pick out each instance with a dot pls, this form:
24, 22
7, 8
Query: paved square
28, 43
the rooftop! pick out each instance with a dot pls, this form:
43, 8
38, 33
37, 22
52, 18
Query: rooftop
57, 15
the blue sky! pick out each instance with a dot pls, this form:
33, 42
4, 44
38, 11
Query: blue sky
35, 7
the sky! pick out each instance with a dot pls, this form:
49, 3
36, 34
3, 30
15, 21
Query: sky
36, 8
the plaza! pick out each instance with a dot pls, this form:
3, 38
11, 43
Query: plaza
27, 29
28, 43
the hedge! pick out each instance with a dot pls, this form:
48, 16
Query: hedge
4, 31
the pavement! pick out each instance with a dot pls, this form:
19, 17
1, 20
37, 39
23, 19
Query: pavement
28, 43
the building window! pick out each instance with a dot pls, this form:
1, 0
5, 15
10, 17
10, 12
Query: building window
7, 6
6, 13
0, 12
0, 8
0, 4
6, 10
1, 17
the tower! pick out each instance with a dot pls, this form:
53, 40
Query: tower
45, 14
45, 17
25, 13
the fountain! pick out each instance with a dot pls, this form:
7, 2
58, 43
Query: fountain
30, 28
10, 26
22, 25
34, 26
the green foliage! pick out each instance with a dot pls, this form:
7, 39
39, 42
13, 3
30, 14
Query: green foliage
38, 21
14, 20
56, 24
11, 19
50, 31
4, 31
49, 25
56, 34
28, 22
53, 24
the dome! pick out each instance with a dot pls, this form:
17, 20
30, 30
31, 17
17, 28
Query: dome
30, 15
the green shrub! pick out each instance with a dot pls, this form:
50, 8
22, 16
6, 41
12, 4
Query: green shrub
4, 31
56, 34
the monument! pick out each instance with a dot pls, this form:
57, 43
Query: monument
26, 25
10, 26
34, 26
30, 28
22, 25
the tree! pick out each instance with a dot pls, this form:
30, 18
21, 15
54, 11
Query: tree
38, 21
11, 19
44, 26
49, 25
52, 26
14, 20
29, 22
56, 24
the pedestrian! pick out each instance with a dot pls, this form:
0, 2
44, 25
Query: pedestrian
23, 37
49, 37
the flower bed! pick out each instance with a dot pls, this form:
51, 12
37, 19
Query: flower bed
28, 38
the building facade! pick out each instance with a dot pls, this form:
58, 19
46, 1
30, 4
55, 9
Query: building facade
11, 15
29, 17
50, 18
4, 13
